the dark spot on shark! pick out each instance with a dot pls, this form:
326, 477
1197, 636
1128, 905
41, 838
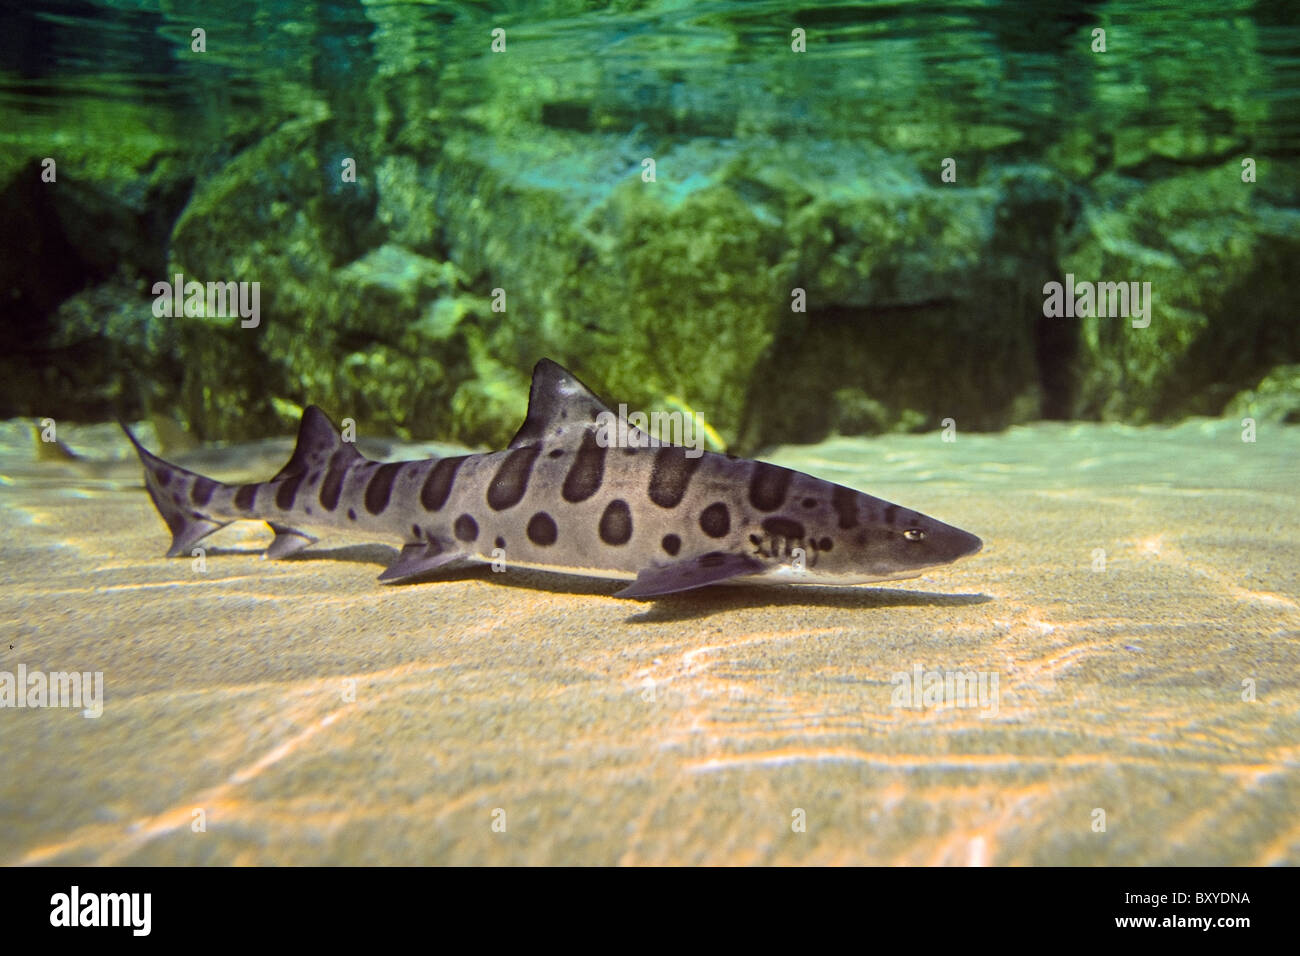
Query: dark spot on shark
332, 487
825, 544
163, 476
245, 496
783, 527
672, 544
466, 528
891, 514
500, 542
588, 471
715, 520
556, 453
810, 502
313, 477
416, 532
379, 491
352, 515
768, 486
845, 502
511, 480
287, 492
542, 530
438, 485
616, 523
671, 474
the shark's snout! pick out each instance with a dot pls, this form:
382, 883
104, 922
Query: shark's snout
969, 544
948, 544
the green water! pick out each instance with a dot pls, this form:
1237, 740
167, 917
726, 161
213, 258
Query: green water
797, 222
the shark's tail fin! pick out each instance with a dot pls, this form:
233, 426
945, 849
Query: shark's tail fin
180, 497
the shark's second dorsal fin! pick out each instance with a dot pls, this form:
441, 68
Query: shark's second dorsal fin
318, 440
556, 401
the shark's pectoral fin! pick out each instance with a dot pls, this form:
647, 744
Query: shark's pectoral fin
420, 558
692, 573
287, 541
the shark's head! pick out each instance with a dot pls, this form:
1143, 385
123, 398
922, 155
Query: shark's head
853, 538
909, 543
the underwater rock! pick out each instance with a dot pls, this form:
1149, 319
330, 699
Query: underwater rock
90, 209
102, 354
350, 318
1275, 399
684, 286
649, 289
1218, 256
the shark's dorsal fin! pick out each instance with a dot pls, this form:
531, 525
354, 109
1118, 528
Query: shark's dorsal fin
318, 440
557, 401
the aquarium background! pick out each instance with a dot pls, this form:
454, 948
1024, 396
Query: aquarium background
839, 262
668, 198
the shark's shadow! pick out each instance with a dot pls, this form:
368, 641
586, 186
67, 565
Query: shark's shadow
683, 606
380, 554
710, 600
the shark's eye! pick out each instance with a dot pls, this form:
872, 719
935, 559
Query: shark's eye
914, 534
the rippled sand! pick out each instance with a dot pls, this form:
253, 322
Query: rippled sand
694, 729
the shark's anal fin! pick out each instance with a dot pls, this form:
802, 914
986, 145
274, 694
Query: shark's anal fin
692, 573
287, 541
419, 558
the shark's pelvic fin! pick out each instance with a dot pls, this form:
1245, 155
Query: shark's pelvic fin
420, 558
694, 573
287, 541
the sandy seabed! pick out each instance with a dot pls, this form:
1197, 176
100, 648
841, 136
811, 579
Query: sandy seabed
1137, 603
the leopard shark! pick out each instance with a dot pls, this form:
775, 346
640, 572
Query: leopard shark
562, 498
